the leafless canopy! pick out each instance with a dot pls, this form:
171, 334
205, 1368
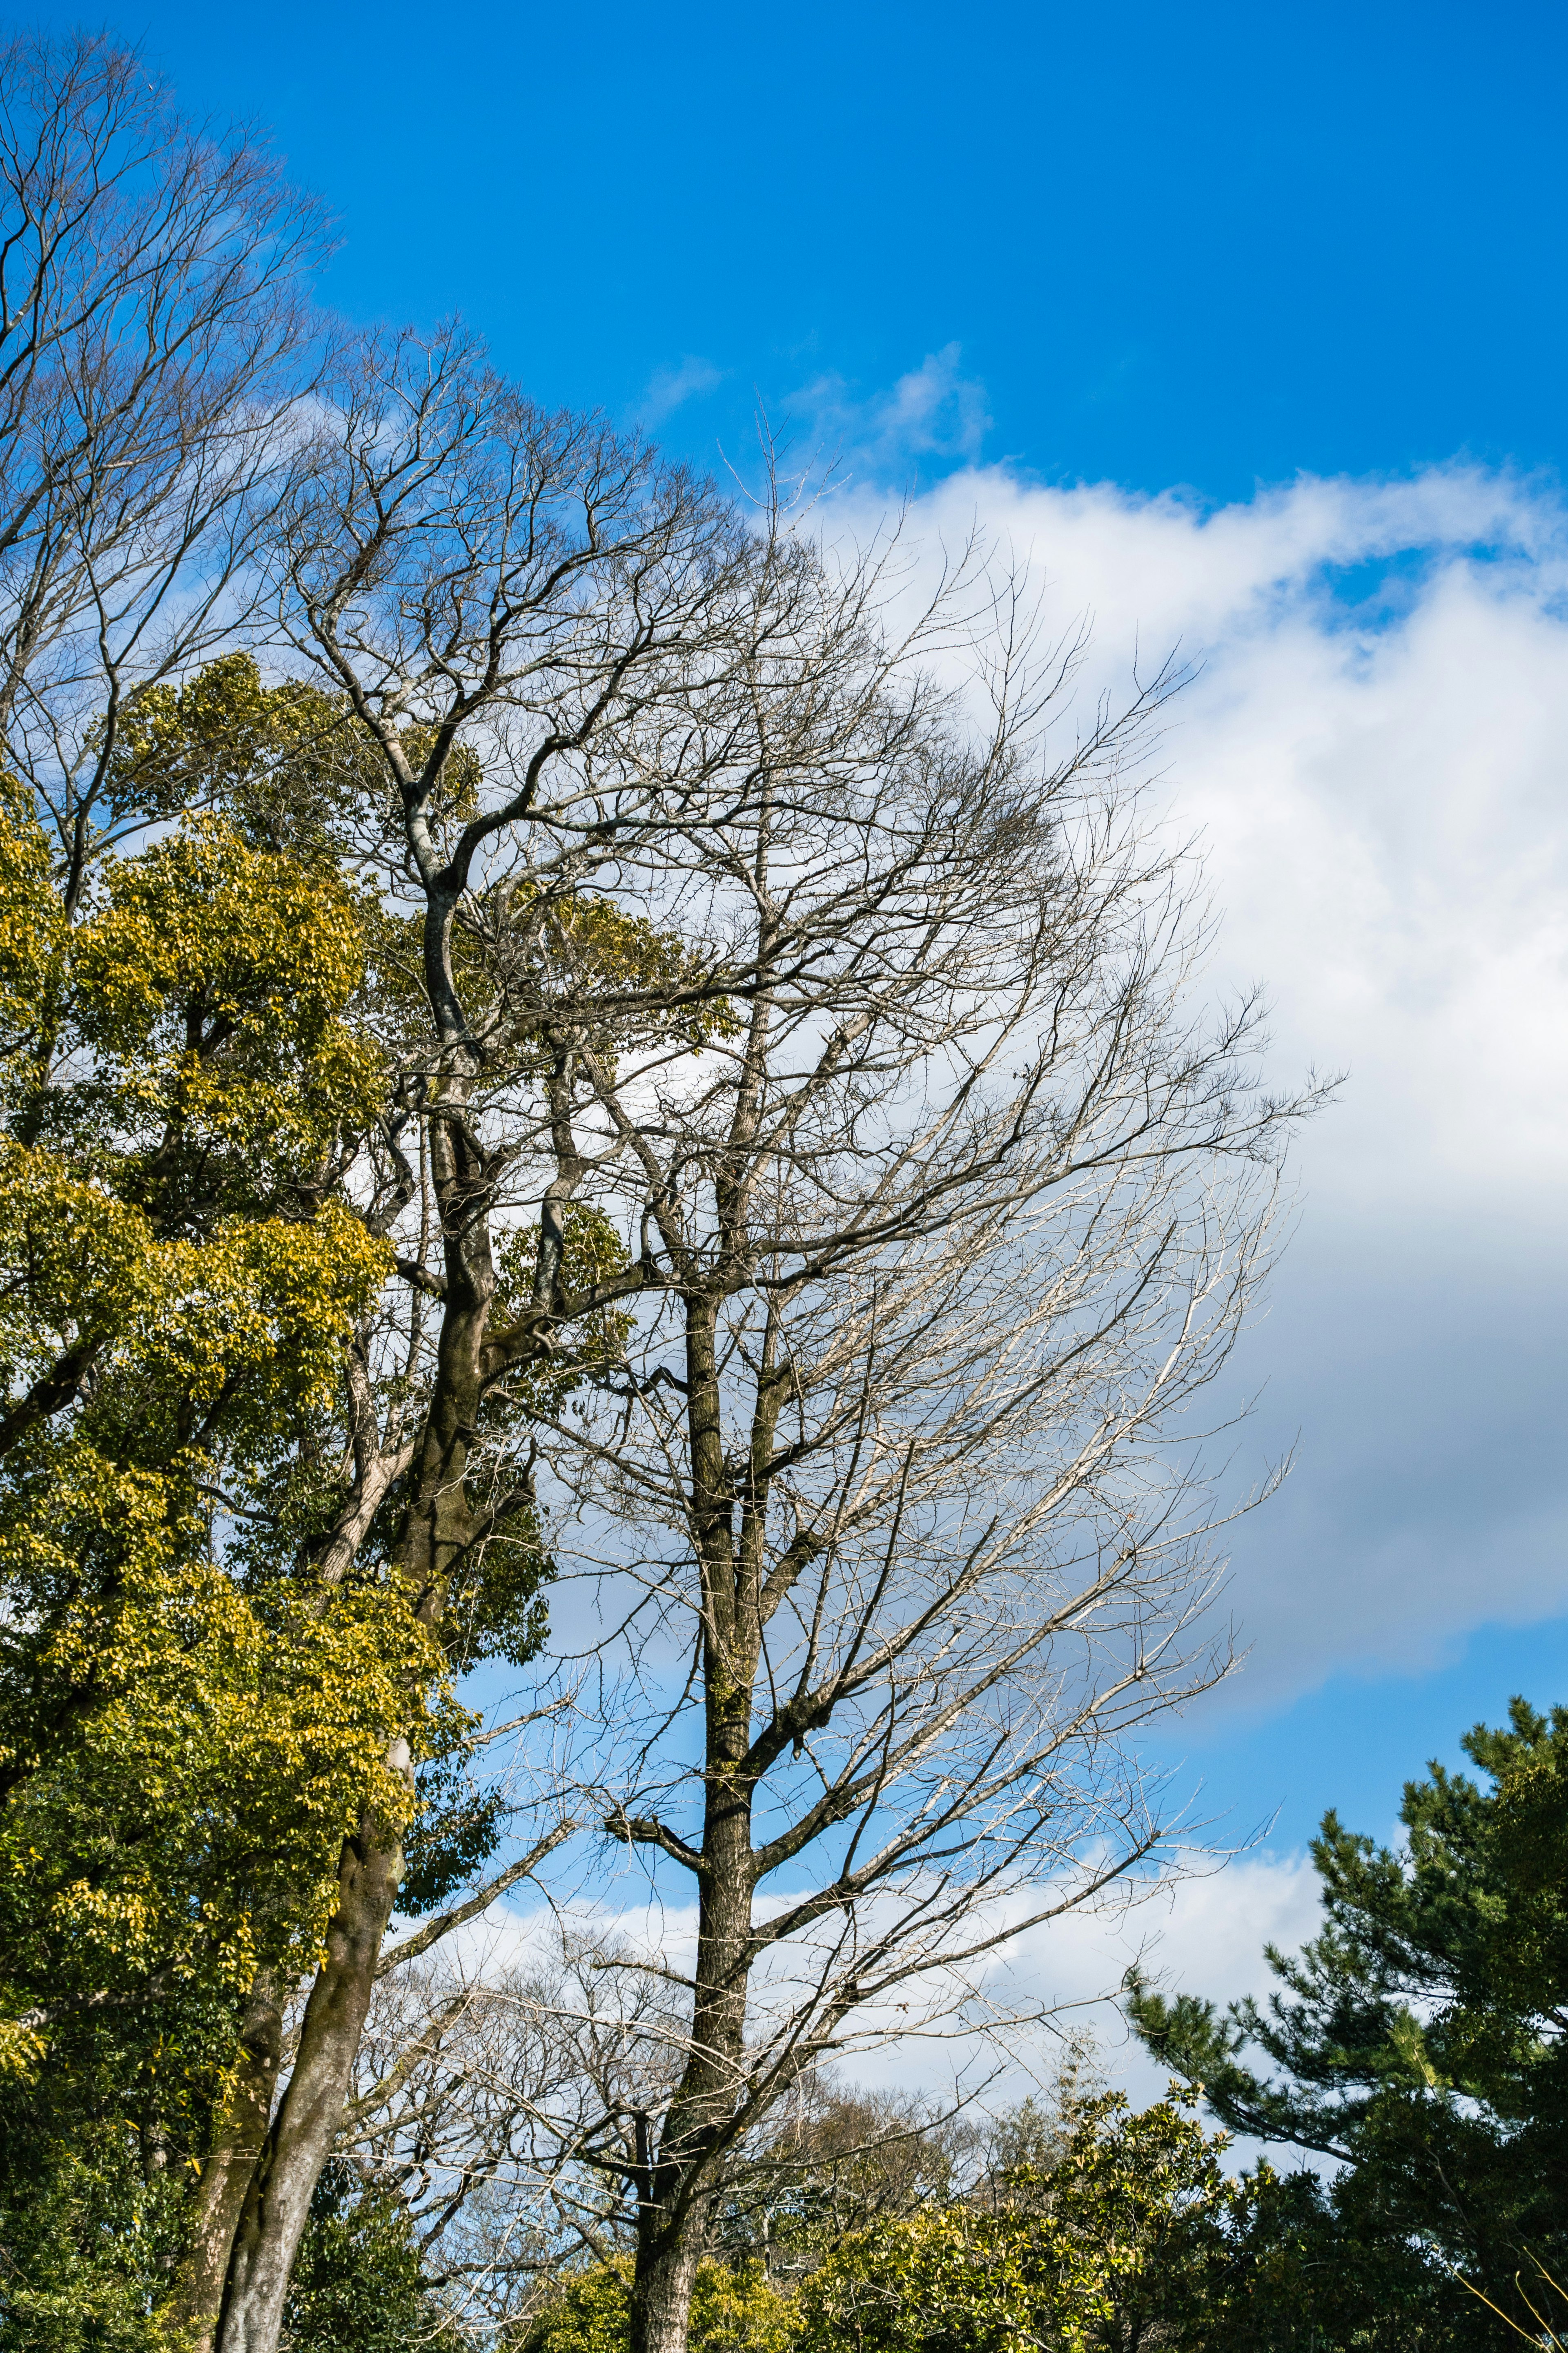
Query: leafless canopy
938, 1209
154, 337
467, 2072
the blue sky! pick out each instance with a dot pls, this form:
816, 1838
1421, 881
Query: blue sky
997, 254
1204, 245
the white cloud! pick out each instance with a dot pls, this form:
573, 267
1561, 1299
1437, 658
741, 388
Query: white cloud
933, 411
1205, 1934
1377, 755
668, 388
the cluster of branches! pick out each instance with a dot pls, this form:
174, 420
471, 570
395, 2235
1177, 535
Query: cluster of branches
811, 1211
876, 2217
472, 2085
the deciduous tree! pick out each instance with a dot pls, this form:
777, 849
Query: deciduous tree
939, 1242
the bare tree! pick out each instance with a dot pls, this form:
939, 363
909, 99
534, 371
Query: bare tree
154, 338
454, 2071
889, 1213
463, 2085
477, 2081
940, 1240
839, 1351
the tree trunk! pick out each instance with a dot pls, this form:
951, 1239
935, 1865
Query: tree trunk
227, 2174
667, 2262
436, 1529
278, 2195
672, 2217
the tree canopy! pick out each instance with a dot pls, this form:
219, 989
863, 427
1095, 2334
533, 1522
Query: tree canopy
565, 1045
1420, 2039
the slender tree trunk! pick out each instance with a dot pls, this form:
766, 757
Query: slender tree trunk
226, 2177
437, 1527
281, 2186
672, 2217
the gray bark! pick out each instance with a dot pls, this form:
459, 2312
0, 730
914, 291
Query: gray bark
227, 2175
661, 2289
283, 2182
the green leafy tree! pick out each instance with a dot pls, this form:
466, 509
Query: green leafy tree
1108, 2231
275, 1035
186, 1738
260, 1495
1126, 2239
735, 2308
1420, 2039
359, 2285
837, 2161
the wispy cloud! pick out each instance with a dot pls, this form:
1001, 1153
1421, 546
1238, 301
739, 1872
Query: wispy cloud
668, 388
934, 411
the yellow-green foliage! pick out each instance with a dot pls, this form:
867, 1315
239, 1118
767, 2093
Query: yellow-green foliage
32, 925
268, 1303
210, 987
287, 760
589, 947
958, 2277
735, 2308
1135, 2214
192, 1716
188, 1746
592, 1253
198, 1821
1126, 2239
